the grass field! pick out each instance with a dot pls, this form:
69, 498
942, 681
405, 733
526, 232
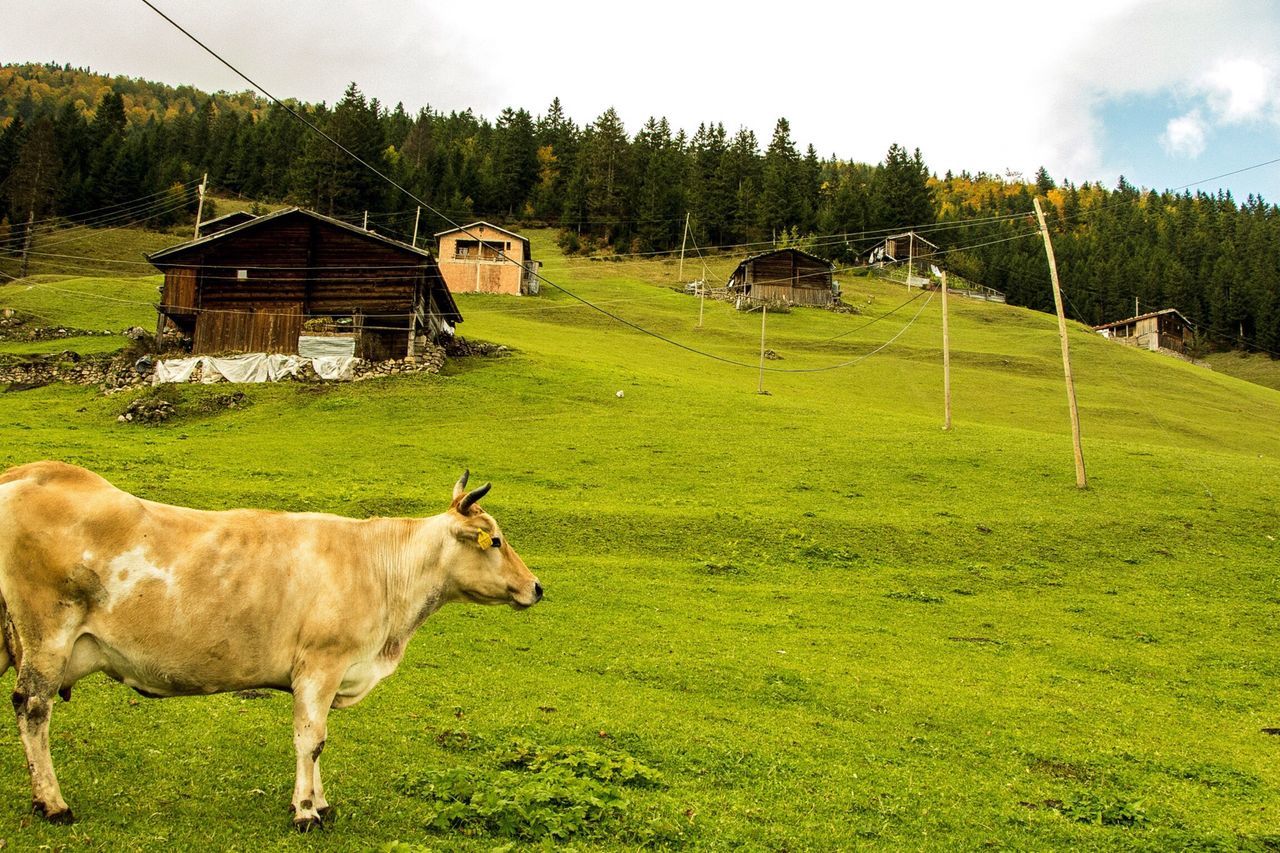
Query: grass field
1255, 367
825, 622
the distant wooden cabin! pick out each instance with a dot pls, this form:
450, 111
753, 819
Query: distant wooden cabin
1166, 329
788, 276
221, 223
902, 248
251, 286
483, 258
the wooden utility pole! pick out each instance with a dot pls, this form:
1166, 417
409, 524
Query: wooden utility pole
1081, 481
702, 298
366, 221
683, 238
200, 207
911, 245
1135, 306
764, 314
26, 241
946, 360
417, 216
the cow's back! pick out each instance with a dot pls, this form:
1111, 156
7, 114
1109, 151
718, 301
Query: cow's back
50, 513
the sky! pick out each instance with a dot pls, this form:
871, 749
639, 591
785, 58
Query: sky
1166, 93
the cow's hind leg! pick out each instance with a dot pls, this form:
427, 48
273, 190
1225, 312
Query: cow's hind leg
39, 677
313, 694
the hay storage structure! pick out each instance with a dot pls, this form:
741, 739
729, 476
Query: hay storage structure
783, 276
1166, 329
483, 258
250, 287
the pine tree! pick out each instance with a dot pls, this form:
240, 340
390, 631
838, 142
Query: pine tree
607, 173
903, 191
517, 164
780, 204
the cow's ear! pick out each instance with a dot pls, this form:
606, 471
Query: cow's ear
464, 503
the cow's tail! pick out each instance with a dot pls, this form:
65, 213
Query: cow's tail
6, 631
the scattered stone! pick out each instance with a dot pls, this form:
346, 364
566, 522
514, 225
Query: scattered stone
149, 410
460, 347
112, 373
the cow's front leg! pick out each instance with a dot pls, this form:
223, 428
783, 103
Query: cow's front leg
313, 693
38, 680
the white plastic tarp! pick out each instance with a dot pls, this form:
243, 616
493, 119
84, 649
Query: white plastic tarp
254, 367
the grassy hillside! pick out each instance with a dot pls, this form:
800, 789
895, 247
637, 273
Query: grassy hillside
89, 251
825, 622
1255, 367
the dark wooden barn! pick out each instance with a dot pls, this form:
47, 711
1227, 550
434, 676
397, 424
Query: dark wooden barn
252, 286
787, 276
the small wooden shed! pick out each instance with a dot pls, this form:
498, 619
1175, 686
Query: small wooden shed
1165, 329
483, 258
908, 246
252, 286
788, 276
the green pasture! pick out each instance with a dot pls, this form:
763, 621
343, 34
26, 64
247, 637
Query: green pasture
815, 619
1255, 367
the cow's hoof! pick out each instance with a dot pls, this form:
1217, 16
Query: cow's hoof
328, 814
306, 824
62, 817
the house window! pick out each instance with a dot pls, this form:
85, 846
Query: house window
485, 250
242, 275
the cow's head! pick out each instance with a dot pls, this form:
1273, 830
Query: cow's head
482, 565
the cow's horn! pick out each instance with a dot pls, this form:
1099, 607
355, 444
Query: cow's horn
461, 486
472, 497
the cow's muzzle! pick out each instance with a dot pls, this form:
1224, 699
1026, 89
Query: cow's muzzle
534, 599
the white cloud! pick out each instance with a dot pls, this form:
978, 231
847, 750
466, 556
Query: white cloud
1184, 136
1240, 90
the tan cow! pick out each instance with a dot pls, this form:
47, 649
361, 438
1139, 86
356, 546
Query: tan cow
176, 602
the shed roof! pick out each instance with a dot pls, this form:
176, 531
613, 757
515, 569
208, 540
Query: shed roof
259, 221
1146, 316
791, 250
478, 223
916, 238
221, 223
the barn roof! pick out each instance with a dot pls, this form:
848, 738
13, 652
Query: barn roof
227, 220
914, 237
1146, 316
172, 252
791, 250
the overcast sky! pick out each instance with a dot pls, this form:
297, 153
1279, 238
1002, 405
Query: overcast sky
1165, 92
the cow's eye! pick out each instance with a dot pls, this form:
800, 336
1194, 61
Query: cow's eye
497, 542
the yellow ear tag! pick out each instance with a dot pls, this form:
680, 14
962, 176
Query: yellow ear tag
484, 539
